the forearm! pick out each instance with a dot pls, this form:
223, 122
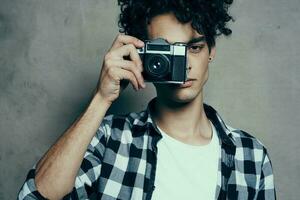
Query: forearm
57, 170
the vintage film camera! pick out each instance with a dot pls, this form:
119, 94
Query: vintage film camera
164, 62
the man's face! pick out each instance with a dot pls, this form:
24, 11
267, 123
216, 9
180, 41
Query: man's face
168, 27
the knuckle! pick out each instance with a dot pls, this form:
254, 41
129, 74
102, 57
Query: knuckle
138, 65
107, 56
137, 72
136, 69
131, 46
131, 66
132, 77
111, 71
119, 36
108, 62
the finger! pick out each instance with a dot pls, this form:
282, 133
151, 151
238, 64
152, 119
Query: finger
127, 75
128, 50
123, 39
130, 66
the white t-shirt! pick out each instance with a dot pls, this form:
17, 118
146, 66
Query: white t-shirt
186, 171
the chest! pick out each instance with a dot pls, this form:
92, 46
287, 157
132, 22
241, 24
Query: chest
137, 172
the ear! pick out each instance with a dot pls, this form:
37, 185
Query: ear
212, 53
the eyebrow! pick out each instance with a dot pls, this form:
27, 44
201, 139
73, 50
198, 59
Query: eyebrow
195, 40
192, 41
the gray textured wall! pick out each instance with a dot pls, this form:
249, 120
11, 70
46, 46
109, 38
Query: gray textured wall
50, 59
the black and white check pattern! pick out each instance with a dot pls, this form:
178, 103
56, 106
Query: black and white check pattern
120, 162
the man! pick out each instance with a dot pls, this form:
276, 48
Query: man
179, 147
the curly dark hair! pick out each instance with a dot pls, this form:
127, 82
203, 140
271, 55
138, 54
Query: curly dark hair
207, 17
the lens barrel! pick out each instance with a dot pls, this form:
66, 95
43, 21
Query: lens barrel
157, 65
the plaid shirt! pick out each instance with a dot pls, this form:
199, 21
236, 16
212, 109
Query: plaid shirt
120, 162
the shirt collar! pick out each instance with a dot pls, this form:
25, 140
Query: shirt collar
224, 132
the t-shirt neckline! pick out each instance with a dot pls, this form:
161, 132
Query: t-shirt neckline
174, 141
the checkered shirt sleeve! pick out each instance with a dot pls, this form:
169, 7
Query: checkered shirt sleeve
87, 175
266, 183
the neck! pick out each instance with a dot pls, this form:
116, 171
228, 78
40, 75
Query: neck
184, 121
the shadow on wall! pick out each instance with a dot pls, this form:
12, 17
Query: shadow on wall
132, 101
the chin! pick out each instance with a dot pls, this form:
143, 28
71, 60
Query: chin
184, 96
178, 95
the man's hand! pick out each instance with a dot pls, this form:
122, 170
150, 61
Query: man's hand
117, 70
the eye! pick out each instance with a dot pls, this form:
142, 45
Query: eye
195, 48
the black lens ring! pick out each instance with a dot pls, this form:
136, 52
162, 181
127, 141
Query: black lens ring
162, 58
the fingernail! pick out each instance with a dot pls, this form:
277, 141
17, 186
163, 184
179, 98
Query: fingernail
141, 43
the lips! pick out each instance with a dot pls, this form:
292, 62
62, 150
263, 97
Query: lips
188, 83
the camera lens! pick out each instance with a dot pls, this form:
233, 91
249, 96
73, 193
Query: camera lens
158, 65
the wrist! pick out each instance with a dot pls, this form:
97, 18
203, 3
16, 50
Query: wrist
101, 101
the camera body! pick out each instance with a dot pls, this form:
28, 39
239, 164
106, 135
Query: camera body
164, 62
